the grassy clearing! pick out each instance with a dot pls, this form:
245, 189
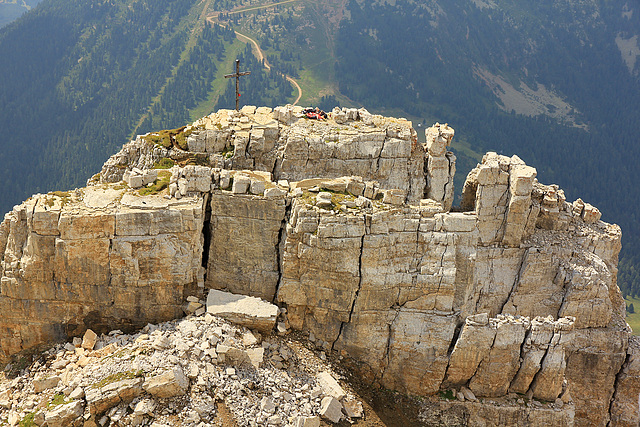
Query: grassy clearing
633, 319
219, 84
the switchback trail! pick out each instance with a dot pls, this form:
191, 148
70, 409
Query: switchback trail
261, 57
256, 47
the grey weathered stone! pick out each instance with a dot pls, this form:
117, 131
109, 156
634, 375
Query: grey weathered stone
241, 184
251, 312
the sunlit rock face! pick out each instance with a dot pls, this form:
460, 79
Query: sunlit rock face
347, 224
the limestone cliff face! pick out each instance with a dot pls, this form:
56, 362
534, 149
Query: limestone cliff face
347, 224
96, 257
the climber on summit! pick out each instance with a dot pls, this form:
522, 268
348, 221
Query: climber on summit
315, 113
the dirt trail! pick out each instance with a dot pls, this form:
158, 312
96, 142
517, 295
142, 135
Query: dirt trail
261, 57
256, 47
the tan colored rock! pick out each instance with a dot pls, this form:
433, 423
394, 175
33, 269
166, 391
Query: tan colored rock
307, 422
547, 385
331, 409
106, 397
46, 383
243, 254
65, 415
472, 346
256, 356
534, 350
90, 262
592, 389
418, 355
391, 284
394, 197
329, 385
440, 164
89, 339
499, 367
352, 409
168, 384
624, 408
509, 413
539, 290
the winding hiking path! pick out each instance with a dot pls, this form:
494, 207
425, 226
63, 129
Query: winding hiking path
261, 57
213, 18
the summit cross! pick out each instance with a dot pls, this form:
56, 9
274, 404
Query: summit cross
237, 76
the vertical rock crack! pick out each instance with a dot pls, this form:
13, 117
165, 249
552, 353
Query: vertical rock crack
355, 296
282, 235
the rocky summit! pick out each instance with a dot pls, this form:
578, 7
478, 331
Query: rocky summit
504, 309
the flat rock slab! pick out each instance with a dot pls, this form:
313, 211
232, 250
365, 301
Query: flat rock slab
154, 201
330, 386
144, 202
100, 197
247, 311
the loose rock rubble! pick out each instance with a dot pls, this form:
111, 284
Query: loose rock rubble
177, 374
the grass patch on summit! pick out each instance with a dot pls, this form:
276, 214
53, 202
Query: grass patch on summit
28, 420
158, 185
168, 138
58, 399
164, 163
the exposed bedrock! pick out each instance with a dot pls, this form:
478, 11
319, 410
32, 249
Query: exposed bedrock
69, 264
346, 223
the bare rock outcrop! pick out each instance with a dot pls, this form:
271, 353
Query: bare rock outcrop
346, 225
69, 265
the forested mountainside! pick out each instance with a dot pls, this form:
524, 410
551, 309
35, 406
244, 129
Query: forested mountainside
13, 9
80, 78
556, 82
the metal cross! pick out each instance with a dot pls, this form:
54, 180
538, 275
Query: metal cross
237, 76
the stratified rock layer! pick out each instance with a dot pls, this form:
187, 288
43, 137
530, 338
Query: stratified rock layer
346, 224
69, 265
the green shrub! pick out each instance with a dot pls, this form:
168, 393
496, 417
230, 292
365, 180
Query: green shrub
58, 399
28, 420
158, 185
164, 163
447, 395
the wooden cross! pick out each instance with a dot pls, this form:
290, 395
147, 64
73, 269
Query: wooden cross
237, 76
